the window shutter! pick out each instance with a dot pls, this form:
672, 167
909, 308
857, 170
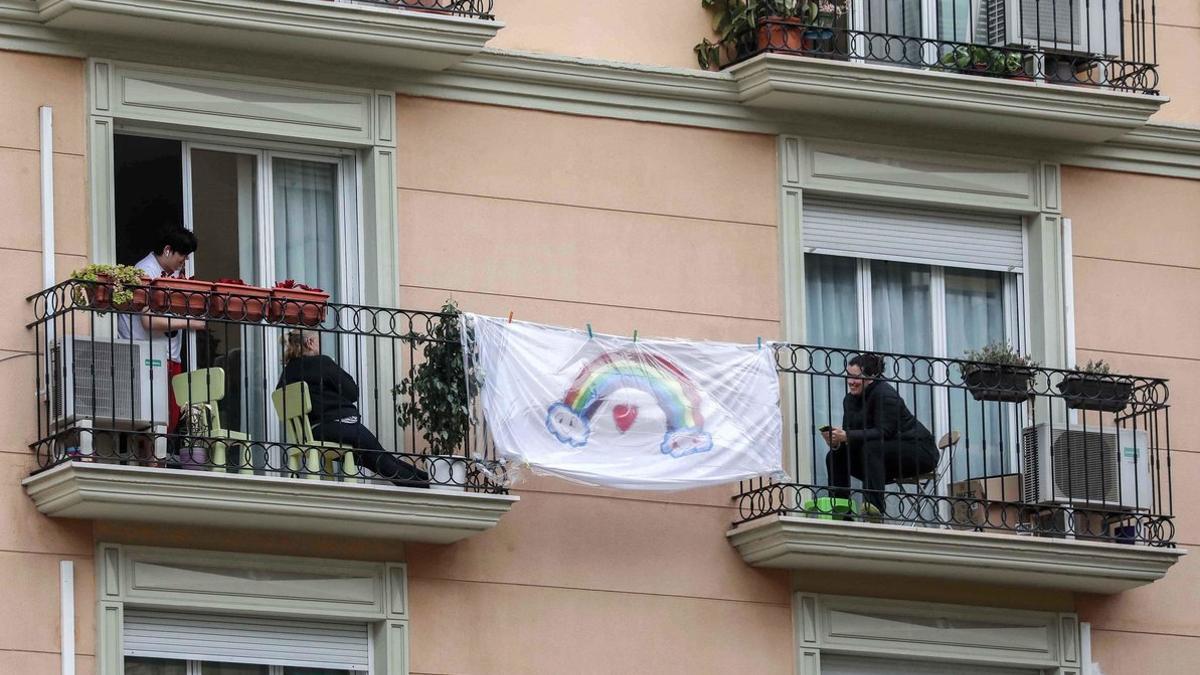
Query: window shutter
242, 639
913, 234
842, 664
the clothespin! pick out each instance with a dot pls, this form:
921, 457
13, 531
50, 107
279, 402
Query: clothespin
510, 316
635, 336
760, 343
590, 336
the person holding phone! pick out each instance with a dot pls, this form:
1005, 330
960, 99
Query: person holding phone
879, 441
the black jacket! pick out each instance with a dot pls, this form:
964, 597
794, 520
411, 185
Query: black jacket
334, 393
879, 414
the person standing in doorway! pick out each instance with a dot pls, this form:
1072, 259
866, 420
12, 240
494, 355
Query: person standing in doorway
168, 258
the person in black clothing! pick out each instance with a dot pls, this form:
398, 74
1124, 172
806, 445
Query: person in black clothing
334, 414
879, 440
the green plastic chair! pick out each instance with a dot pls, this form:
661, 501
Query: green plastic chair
206, 387
293, 404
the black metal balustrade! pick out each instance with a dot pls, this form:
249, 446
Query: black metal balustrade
479, 9
1104, 43
1032, 451
104, 398
473, 9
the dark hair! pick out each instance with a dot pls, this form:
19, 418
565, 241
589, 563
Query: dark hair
871, 365
179, 238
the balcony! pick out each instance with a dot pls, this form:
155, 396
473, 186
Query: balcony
1039, 477
1070, 71
246, 453
411, 34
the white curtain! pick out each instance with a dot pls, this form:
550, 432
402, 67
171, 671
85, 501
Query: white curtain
902, 322
898, 18
306, 224
831, 300
975, 317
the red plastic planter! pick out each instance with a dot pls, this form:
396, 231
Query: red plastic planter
297, 306
100, 296
238, 302
186, 297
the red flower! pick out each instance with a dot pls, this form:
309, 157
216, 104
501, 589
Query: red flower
291, 283
232, 282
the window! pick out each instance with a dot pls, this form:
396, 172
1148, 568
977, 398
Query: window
907, 280
945, 20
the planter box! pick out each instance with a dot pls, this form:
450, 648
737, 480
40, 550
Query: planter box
239, 302
297, 306
782, 34
1096, 393
100, 296
1004, 384
186, 297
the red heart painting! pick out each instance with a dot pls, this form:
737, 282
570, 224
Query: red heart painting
624, 416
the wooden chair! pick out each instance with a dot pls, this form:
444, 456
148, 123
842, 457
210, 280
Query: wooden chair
293, 404
206, 388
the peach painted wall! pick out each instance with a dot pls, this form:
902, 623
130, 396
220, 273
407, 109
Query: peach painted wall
31, 545
1179, 57
575, 220
1137, 277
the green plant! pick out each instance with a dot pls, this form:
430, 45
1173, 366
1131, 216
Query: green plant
985, 59
1094, 368
735, 23
120, 276
998, 353
435, 392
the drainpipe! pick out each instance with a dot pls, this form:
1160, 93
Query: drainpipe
66, 582
47, 156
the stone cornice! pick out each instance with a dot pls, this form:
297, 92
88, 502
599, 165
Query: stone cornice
97, 491
1003, 560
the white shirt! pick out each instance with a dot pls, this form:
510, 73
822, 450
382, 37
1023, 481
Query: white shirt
131, 326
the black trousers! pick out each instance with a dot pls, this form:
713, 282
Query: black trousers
370, 453
876, 464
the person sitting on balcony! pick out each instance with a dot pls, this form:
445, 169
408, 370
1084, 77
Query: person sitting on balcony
879, 440
334, 416
175, 244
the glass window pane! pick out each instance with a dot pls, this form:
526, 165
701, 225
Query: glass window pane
902, 323
305, 200
288, 670
831, 300
137, 665
234, 669
975, 317
956, 21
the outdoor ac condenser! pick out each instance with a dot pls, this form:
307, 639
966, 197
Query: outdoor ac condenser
1077, 26
107, 380
1102, 468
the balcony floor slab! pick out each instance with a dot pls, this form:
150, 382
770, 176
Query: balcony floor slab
793, 542
97, 491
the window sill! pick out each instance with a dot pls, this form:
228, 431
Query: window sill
948, 103
792, 542
311, 29
94, 491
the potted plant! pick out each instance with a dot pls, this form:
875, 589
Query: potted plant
121, 287
434, 398
977, 60
235, 299
998, 373
186, 296
743, 26
1093, 387
294, 303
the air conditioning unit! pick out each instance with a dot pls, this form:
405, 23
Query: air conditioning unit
1076, 26
1101, 468
108, 381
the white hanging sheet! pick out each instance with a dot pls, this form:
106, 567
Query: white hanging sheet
615, 412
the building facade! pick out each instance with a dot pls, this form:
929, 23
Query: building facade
914, 178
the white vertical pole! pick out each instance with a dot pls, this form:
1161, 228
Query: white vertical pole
1068, 267
66, 580
47, 161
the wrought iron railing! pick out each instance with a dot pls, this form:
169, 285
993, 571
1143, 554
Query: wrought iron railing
1104, 43
1022, 450
105, 396
479, 9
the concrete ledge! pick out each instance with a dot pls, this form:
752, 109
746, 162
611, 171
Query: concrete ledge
1007, 560
943, 101
208, 499
312, 29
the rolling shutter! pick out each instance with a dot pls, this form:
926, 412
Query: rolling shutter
913, 234
839, 664
242, 639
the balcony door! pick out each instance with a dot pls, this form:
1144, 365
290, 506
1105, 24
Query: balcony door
900, 28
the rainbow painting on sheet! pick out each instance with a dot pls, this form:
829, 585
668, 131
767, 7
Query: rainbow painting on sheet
570, 419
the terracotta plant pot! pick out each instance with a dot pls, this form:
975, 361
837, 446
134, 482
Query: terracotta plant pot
238, 302
100, 296
999, 383
186, 297
1096, 393
777, 33
297, 306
